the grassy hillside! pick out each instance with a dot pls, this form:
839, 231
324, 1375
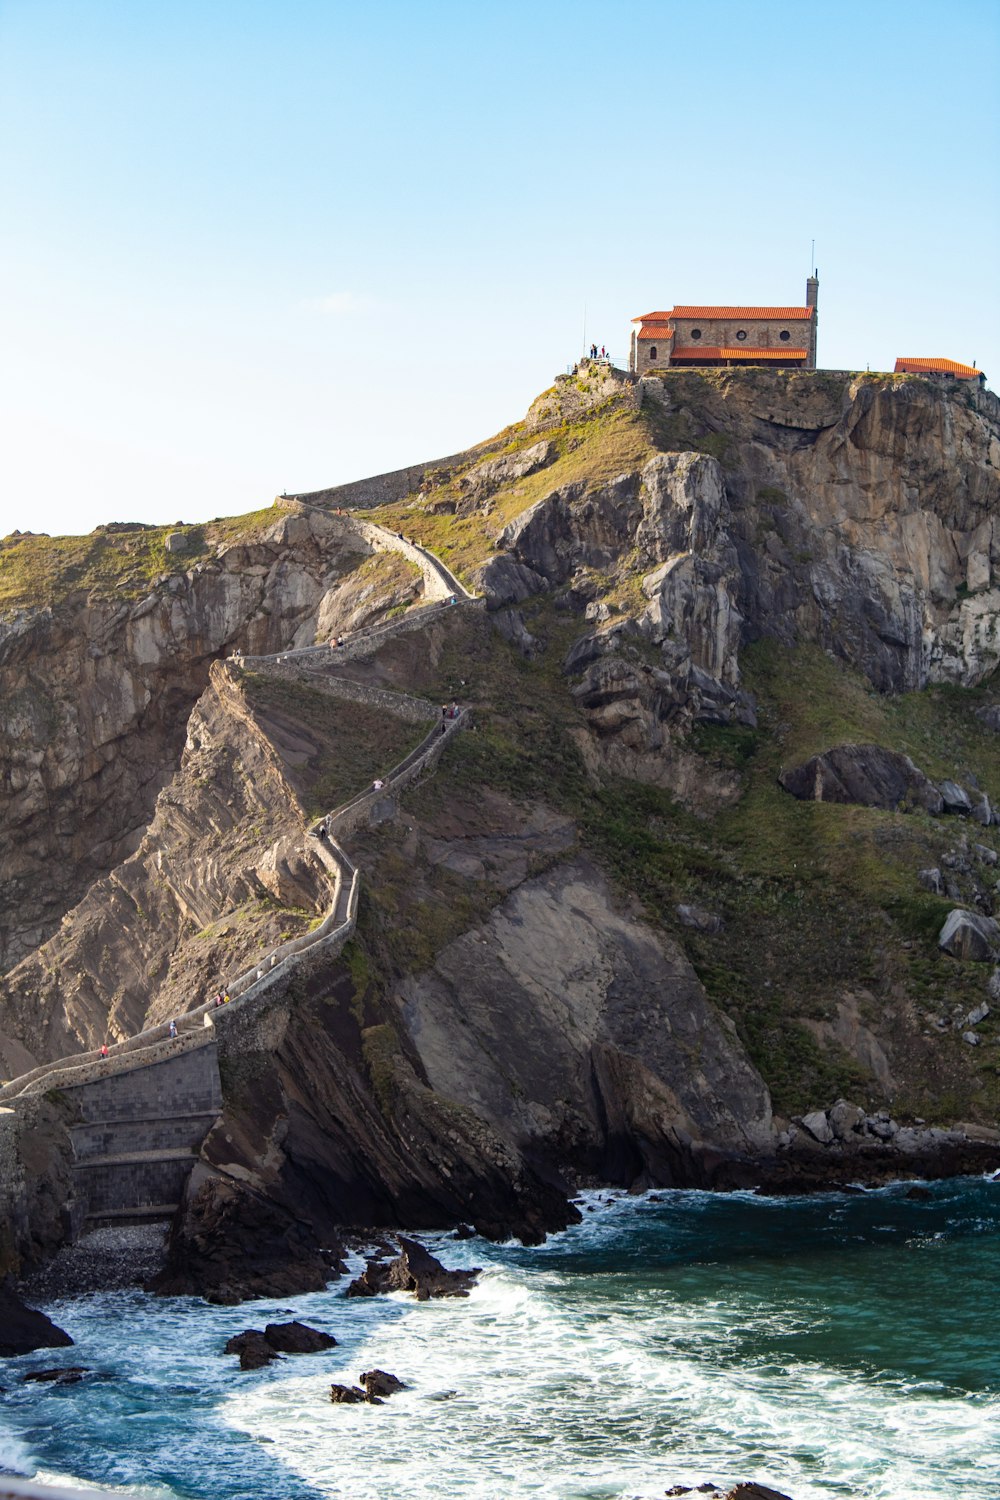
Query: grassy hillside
820, 903
111, 561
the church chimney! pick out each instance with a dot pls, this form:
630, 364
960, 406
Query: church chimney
812, 300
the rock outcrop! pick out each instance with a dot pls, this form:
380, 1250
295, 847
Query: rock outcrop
23, 1329
866, 774
414, 1270
257, 1347
97, 693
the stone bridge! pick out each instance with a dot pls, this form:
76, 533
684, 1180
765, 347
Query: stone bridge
141, 1112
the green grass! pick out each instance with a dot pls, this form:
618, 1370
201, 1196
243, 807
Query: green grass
111, 563
818, 901
594, 449
345, 744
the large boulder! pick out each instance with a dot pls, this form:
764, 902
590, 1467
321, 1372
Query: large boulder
379, 1383
298, 1338
253, 1349
23, 1329
968, 935
868, 775
956, 799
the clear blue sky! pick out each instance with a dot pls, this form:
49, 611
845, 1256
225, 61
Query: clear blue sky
251, 245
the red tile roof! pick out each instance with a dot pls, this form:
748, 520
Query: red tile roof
739, 314
747, 314
906, 366
661, 331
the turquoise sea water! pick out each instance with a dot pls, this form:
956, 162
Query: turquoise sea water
830, 1346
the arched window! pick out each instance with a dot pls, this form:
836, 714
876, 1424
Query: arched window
652, 351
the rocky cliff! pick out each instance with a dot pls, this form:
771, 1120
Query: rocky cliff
626, 933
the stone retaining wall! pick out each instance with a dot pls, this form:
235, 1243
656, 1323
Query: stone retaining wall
382, 489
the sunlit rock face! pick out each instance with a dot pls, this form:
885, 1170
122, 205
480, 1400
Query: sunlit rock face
95, 696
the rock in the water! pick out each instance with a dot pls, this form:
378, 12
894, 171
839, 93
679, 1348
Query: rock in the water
298, 1338
415, 1270
865, 774
62, 1375
349, 1395
919, 1194
253, 1349
257, 1349
381, 1383
967, 935
754, 1491
819, 1126
22, 1328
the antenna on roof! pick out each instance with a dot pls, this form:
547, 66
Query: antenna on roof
812, 259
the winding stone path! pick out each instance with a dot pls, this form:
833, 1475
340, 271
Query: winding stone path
132, 1176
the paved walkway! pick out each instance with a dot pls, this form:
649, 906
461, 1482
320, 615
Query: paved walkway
197, 1028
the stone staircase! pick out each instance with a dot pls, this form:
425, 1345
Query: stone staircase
143, 1111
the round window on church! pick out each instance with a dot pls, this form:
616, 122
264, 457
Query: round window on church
696, 333
784, 335
741, 336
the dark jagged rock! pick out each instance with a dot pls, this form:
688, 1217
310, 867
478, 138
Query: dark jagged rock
23, 1329
229, 1243
253, 1349
464, 1232
350, 1395
868, 775
414, 1270
298, 1338
754, 1491
63, 1375
379, 1383
257, 1349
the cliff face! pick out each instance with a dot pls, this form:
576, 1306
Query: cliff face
603, 943
97, 688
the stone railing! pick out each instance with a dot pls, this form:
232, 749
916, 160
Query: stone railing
196, 1028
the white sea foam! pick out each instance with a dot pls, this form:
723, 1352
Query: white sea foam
655, 1343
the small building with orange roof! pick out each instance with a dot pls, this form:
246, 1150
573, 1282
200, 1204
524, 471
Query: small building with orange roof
949, 368
780, 337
